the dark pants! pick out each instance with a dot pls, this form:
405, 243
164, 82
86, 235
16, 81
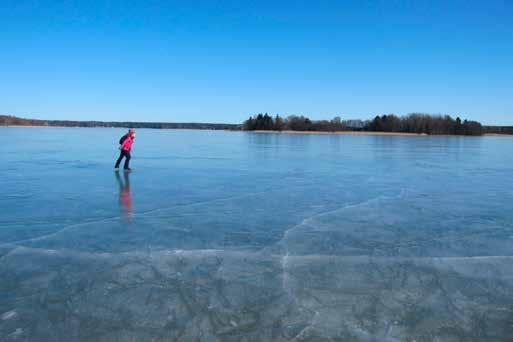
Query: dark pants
125, 154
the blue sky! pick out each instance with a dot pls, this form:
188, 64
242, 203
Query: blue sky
220, 61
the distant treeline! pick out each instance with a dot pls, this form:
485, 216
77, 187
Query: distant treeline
424, 124
498, 129
265, 122
412, 123
7, 120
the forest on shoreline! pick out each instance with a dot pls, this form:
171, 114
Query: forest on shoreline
413, 123
9, 120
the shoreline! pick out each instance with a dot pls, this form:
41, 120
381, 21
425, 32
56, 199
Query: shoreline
342, 133
379, 133
137, 128
287, 131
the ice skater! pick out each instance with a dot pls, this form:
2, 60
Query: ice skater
126, 143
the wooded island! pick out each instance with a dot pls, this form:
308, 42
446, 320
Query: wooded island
413, 123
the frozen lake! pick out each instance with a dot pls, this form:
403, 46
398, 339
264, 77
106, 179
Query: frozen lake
232, 236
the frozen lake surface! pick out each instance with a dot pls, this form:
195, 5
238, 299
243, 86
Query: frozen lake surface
231, 236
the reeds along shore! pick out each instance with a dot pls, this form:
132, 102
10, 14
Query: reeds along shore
374, 133
341, 133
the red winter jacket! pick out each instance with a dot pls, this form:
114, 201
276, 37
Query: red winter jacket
127, 144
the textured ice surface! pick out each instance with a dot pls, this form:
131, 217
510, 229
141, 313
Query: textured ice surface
225, 236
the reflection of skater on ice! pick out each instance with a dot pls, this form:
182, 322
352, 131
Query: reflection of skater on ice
125, 196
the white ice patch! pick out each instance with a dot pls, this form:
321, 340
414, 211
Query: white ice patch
8, 315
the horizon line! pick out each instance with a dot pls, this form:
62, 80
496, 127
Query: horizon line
240, 123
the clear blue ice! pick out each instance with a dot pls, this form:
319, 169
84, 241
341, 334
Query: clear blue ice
233, 236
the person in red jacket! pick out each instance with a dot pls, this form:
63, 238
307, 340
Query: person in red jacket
126, 143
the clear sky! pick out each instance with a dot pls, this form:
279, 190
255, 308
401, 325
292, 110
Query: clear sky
220, 61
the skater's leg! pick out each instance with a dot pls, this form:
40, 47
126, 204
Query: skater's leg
119, 160
127, 160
